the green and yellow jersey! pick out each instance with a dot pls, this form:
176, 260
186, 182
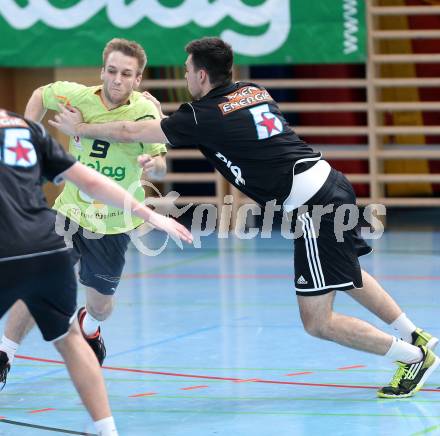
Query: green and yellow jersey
115, 160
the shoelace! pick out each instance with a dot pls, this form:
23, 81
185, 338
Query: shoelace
401, 371
423, 335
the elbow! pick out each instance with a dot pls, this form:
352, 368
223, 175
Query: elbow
91, 185
37, 94
87, 180
34, 106
128, 133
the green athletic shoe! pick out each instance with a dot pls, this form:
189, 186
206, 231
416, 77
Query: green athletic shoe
420, 337
410, 377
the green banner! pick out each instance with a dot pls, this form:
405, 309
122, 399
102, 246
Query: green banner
64, 33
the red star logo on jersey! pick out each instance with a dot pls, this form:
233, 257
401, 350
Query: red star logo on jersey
269, 123
20, 152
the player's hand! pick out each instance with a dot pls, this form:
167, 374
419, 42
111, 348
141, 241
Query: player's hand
67, 120
171, 226
152, 98
155, 101
146, 162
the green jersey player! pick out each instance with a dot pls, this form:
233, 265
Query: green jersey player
101, 229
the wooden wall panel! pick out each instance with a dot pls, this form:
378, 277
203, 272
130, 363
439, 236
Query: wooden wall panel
17, 85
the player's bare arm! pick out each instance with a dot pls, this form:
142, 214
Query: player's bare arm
109, 192
35, 109
70, 121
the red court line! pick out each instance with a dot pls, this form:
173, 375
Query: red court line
147, 394
194, 387
41, 410
299, 373
343, 368
209, 377
191, 276
39, 359
248, 380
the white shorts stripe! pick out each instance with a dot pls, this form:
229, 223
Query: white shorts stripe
315, 243
310, 253
313, 250
341, 285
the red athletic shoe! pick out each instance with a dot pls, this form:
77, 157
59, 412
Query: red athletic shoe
96, 342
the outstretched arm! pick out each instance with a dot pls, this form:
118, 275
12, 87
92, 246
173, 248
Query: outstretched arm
105, 190
69, 120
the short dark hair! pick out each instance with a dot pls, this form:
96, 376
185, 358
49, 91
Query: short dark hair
213, 55
128, 48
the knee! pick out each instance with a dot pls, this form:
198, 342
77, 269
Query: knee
100, 310
314, 327
69, 339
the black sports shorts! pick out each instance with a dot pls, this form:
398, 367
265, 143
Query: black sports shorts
326, 255
47, 285
101, 260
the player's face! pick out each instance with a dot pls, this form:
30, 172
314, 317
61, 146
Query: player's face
120, 77
193, 79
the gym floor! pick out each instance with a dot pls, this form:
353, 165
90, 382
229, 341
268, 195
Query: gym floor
208, 341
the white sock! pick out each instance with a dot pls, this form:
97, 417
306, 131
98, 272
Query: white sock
405, 327
9, 347
404, 352
89, 324
106, 427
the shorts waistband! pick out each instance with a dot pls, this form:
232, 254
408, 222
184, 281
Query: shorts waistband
306, 184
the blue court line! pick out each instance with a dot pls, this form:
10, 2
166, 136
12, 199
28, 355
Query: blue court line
164, 341
134, 275
152, 344
203, 256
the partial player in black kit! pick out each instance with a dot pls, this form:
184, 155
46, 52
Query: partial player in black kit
35, 264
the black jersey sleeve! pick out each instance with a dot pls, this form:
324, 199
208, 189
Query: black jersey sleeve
55, 160
181, 128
